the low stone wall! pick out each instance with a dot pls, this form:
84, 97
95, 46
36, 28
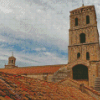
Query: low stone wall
45, 77
82, 87
49, 78
35, 76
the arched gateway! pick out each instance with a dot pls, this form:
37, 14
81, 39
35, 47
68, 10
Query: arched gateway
80, 72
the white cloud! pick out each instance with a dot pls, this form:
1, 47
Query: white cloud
5, 10
40, 49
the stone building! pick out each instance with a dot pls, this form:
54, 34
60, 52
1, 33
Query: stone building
11, 62
38, 72
83, 45
83, 50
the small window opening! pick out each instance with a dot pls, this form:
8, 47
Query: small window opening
76, 21
87, 56
12, 61
82, 38
87, 19
78, 55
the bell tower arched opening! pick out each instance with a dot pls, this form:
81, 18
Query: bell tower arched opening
80, 72
87, 19
76, 21
87, 56
82, 38
78, 55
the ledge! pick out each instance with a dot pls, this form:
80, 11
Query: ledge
83, 27
80, 44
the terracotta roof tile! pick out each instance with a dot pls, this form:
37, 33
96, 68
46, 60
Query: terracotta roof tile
16, 87
33, 70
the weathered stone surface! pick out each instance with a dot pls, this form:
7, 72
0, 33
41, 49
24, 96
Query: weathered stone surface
83, 46
60, 74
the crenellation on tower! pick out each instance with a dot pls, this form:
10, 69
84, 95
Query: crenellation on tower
82, 9
83, 17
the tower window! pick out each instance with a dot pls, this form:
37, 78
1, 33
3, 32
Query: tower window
78, 55
87, 19
82, 38
12, 61
87, 56
76, 21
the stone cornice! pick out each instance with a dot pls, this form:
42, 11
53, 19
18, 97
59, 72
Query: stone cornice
83, 44
83, 27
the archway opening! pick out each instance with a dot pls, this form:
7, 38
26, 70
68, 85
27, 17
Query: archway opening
87, 19
76, 21
87, 56
80, 72
82, 38
78, 55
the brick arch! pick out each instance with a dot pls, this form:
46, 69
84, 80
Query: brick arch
80, 64
77, 62
80, 71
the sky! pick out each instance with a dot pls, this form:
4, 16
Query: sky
36, 31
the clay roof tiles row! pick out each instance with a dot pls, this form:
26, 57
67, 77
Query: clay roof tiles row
34, 89
33, 70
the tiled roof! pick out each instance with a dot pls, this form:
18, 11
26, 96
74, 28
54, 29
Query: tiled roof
33, 70
74, 83
14, 87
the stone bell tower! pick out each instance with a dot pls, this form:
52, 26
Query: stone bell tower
83, 50
83, 35
11, 62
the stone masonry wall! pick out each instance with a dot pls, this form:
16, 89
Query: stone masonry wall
82, 49
93, 73
81, 13
90, 32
